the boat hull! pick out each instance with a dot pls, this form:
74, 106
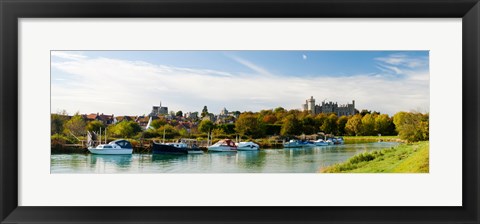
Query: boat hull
247, 149
110, 151
167, 149
195, 151
222, 149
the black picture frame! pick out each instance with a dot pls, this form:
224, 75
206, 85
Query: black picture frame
12, 10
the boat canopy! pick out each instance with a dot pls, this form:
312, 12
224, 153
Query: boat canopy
227, 142
124, 144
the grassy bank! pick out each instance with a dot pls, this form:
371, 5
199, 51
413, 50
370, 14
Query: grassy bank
405, 158
359, 139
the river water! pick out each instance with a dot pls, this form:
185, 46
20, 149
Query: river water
298, 160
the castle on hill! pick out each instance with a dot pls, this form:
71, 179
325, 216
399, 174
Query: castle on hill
329, 107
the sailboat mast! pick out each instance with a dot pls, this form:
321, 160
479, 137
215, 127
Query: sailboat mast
164, 136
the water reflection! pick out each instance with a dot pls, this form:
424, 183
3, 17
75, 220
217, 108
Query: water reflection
161, 158
252, 159
117, 160
294, 160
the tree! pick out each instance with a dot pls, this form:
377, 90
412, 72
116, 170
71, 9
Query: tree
125, 129
76, 125
95, 126
308, 125
354, 125
57, 122
169, 130
179, 113
279, 110
341, 123
157, 123
205, 126
412, 126
269, 119
365, 112
204, 111
320, 119
273, 129
383, 124
368, 125
329, 126
290, 126
219, 133
227, 128
249, 124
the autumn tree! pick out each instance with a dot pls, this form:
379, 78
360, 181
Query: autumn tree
354, 125
291, 125
329, 126
383, 124
412, 126
249, 124
341, 123
368, 125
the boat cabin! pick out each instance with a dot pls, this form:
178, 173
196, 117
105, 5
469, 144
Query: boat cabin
124, 144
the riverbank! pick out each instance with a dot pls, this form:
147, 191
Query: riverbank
357, 139
405, 158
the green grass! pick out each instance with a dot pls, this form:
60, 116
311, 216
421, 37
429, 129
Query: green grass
363, 139
405, 158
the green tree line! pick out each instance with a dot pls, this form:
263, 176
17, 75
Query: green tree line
410, 126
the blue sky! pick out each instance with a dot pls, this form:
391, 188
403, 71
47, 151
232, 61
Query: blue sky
130, 82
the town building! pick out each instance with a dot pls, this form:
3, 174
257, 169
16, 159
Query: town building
158, 110
105, 119
329, 107
191, 115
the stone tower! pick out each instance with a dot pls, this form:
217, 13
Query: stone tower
311, 105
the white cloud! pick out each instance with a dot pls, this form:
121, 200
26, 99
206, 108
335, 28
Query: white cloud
126, 87
252, 66
404, 60
304, 57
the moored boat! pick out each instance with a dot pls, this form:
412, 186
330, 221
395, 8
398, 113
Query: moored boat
183, 146
247, 146
169, 148
293, 144
320, 142
338, 141
117, 147
225, 145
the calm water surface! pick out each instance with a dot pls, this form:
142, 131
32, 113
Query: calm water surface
298, 160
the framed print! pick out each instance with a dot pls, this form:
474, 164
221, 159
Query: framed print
252, 112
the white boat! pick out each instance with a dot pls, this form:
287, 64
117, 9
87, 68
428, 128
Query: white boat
225, 145
293, 144
320, 142
117, 147
247, 146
